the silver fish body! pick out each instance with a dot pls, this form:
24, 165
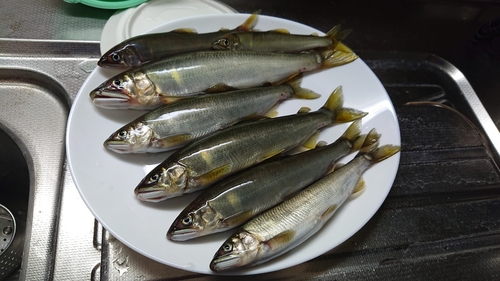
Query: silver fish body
279, 41
205, 161
174, 125
235, 200
182, 76
290, 223
140, 49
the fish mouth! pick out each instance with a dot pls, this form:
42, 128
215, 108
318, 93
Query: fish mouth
110, 99
150, 195
182, 234
120, 147
225, 262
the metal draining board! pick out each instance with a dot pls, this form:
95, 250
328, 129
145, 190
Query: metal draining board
439, 220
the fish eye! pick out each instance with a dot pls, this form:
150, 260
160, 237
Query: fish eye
117, 82
123, 134
227, 247
225, 42
115, 57
187, 220
154, 178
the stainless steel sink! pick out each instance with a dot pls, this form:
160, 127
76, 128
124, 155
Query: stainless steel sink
36, 89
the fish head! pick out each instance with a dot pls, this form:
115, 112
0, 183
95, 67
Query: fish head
239, 250
194, 222
126, 90
227, 42
135, 137
126, 56
163, 183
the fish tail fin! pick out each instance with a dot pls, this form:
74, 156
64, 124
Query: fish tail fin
384, 152
250, 23
337, 35
340, 114
339, 55
352, 134
302, 93
370, 142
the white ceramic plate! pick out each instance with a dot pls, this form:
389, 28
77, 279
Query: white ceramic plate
134, 21
106, 180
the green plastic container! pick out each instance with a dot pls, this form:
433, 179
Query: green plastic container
108, 4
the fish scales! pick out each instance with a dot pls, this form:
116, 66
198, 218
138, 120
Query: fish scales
242, 149
252, 191
198, 72
207, 160
285, 226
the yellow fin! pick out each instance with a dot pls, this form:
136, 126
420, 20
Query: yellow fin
353, 131
384, 152
371, 142
360, 186
303, 110
302, 93
310, 143
340, 56
272, 153
336, 100
250, 23
175, 140
348, 114
238, 219
321, 144
219, 88
337, 34
185, 30
281, 30
281, 240
315, 34
272, 113
326, 214
168, 99
214, 175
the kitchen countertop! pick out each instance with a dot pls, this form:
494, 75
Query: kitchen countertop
435, 186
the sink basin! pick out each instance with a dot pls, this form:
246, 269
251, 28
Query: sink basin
36, 87
14, 197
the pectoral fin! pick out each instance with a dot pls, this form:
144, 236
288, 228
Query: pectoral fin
281, 240
185, 30
311, 141
238, 219
329, 212
360, 185
219, 88
175, 140
168, 99
281, 30
214, 175
272, 153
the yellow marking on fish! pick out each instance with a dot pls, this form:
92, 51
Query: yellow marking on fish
360, 185
206, 155
233, 199
239, 218
281, 240
177, 76
214, 175
329, 211
175, 140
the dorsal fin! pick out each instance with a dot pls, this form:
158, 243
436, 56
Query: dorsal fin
185, 30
